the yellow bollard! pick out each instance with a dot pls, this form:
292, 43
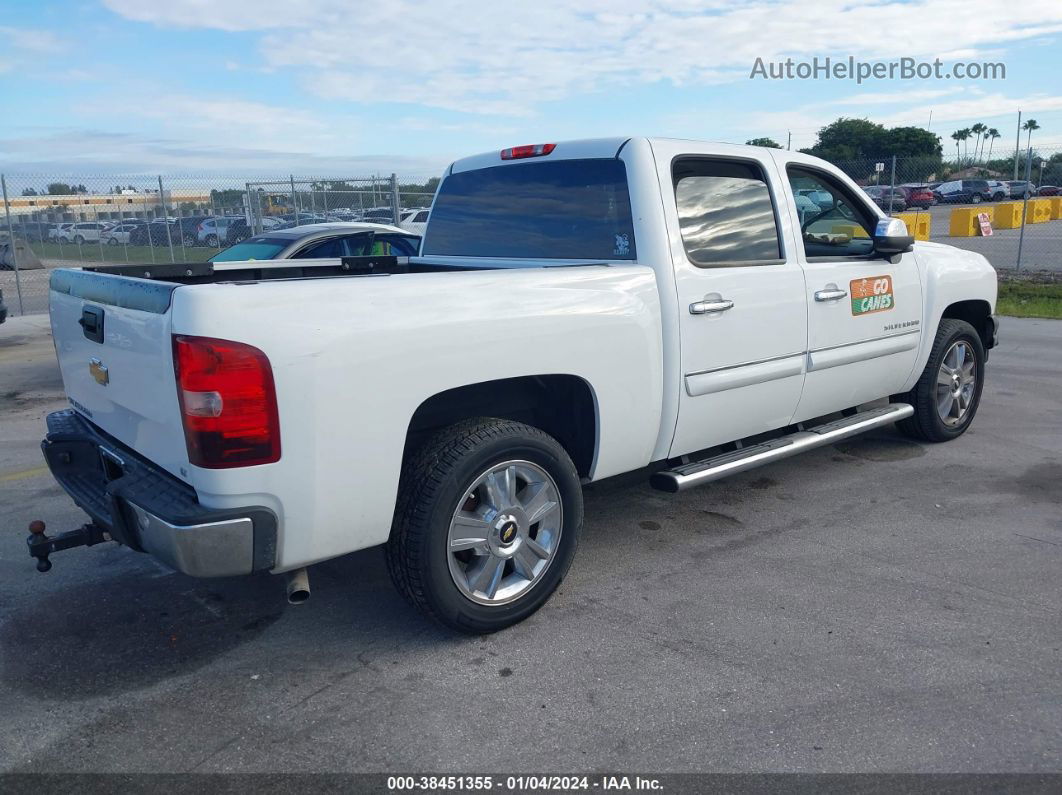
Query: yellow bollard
918, 224
1008, 215
852, 230
1038, 212
964, 221
1056, 207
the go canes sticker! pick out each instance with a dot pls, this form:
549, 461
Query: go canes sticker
873, 294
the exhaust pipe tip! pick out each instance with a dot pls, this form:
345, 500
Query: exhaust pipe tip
298, 586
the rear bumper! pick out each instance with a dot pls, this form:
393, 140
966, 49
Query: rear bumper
149, 510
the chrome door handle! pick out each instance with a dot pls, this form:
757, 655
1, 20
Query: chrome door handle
830, 295
706, 307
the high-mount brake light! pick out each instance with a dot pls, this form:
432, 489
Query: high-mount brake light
532, 150
228, 402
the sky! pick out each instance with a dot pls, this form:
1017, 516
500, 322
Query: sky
350, 88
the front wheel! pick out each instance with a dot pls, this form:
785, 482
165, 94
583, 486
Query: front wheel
976, 198
947, 394
487, 522
212, 241
79, 239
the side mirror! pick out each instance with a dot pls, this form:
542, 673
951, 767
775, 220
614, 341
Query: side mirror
891, 237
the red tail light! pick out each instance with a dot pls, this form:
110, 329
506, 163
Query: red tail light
520, 152
228, 403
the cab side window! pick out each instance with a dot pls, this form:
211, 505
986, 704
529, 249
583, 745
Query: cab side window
832, 222
726, 215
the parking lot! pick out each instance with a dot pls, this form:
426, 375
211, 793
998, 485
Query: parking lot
880, 605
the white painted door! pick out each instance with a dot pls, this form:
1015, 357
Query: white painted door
742, 308
864, 311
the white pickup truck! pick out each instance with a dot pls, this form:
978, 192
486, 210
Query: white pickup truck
578, 310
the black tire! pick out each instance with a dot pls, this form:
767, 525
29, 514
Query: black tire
434, 479
190, 241
112, 241
212, 241
976, 198
925, 424
79, 239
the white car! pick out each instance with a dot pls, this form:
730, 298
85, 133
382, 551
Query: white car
578, 310
87, 232
415, 221
58, 232
118, 234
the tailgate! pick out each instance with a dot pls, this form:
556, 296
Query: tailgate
112, 338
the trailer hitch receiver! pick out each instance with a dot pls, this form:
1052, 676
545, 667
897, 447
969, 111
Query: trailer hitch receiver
41, 546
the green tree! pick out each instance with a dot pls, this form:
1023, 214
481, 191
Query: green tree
1030, 125
59, 189
991, 134
977, 129
849, 139
770, 143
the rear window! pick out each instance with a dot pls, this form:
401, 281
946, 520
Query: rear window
252, 248
565, 209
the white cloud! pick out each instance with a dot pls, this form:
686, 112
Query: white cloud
481, 56
33, 41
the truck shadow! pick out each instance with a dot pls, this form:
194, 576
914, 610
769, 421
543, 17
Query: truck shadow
132, 625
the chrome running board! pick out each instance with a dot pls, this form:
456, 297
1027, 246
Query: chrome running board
720, 466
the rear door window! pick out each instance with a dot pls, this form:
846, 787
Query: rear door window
725, 212
563, 209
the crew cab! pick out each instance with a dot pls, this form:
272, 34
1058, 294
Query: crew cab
577, 310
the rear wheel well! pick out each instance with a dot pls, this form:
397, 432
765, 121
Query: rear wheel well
977, 314
561, 405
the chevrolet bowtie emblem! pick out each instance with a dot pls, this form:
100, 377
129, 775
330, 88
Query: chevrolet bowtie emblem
98, 370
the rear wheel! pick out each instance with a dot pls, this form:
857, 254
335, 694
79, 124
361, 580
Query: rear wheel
947, 395
487, 522
79, 239
212, 241
976, 198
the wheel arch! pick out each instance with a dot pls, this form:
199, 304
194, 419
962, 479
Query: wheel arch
562, 405
978, 313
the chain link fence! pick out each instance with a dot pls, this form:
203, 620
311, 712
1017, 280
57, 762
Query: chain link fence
54, 221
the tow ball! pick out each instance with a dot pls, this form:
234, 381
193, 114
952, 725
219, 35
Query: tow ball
41, 546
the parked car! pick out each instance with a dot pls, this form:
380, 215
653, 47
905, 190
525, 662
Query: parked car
212, 230
890, 200
316, 241
416, 221
998, 191
34, 231
261, 418
189, 229
86, 232
58, 231
964, 191
920, 196
1020, 189
158, 232
821, 198
119, 233
1049, 190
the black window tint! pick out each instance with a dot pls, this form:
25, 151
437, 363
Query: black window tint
421, 217
725, 213
564, 209
325, 248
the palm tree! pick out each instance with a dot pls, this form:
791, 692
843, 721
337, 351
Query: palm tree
964, 136
1030, 125
977, 130
956, 137
991, 135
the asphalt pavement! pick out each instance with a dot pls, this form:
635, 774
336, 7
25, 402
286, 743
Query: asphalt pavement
880, 605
